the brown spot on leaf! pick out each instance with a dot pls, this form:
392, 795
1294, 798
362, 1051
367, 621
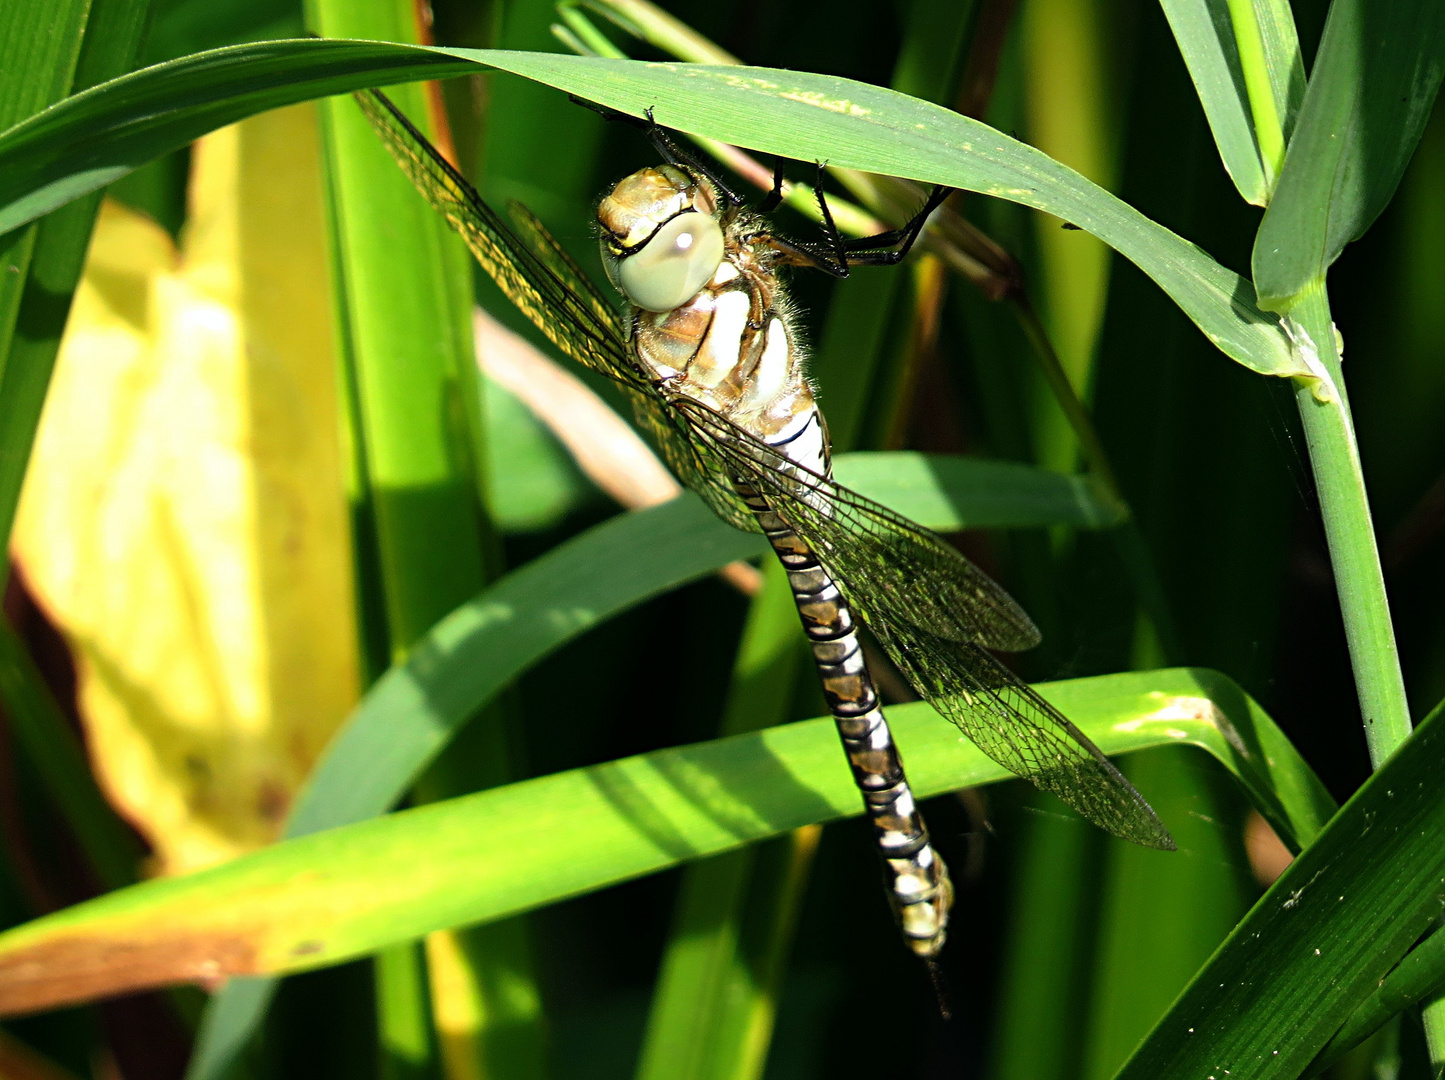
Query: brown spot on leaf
72, 969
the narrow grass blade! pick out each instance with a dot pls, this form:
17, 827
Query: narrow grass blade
59, 48
39, 48
1317, 944
407, 284
794, 114
1374, 82
1247, 87
1420, 974
1161, 916
78, 46
715, 1001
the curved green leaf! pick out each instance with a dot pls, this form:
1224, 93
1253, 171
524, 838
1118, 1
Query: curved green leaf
1318, 943
1372, 88
482, 646
948, 493
323, 898
93, 138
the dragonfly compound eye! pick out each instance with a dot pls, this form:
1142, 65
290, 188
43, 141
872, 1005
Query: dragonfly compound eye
673, 266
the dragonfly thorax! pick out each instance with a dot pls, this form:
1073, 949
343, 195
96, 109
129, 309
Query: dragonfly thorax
711, 320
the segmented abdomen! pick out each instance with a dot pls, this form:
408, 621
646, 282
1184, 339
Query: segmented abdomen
918, 883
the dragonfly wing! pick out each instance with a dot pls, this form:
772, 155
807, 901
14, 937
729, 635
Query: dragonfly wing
563, 267
695, 464
548, 287
861, 541
544, 287
936, 615
1012, 724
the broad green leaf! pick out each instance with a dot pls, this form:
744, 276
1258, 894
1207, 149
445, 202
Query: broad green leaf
47, 160
1243, 56
323, 898
479, 648
414, 709
1372, 88
1319, 941
949, 493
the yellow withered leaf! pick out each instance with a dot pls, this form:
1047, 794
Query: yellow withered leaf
184, 519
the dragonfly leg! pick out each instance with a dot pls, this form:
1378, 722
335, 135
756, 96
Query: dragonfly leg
663, 143
836, 256
864, 251
774, 197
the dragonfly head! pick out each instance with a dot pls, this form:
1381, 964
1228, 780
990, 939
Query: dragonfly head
661, 241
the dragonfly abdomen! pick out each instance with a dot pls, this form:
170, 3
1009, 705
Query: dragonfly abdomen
918, 885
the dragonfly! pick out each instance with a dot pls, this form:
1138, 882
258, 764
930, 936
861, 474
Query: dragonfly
706, 346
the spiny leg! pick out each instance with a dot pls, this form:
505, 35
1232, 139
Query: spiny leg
774, 197
836, 256
861, 252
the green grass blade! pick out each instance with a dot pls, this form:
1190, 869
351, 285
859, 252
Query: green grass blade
330, 896
949, 493
1420, 974
90, 139
796, 114
1159, 916
1317, 944
1207, 41
1374, 82
79, 45
39, 49
1040, 1025
479, 648
38, 302
408, 293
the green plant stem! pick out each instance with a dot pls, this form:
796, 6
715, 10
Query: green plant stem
1268, 131
1354, 555
1065, 394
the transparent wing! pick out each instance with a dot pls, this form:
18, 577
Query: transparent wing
936, 615
548, 287
563, 267
541, 280
700, 469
